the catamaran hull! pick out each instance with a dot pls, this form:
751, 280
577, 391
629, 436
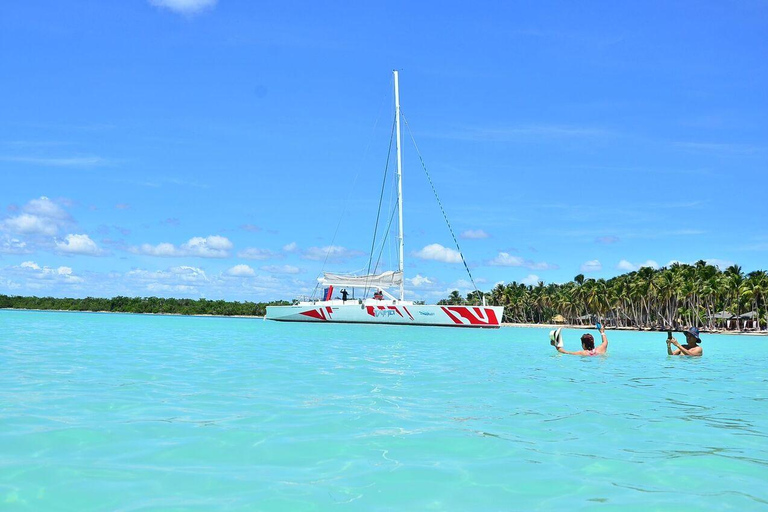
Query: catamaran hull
390, 314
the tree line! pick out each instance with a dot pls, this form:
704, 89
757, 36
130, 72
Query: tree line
142, 305
668, 297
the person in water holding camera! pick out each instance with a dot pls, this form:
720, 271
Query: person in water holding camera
691, 347
587, 343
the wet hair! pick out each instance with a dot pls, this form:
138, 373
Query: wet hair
588, 342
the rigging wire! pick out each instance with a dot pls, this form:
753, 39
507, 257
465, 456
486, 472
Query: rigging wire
383, 243
349, 194
423, 166
381, 200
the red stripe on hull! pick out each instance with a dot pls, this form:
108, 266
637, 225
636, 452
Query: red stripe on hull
318, 314
475, 316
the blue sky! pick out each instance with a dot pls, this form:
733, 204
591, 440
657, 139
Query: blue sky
204, 148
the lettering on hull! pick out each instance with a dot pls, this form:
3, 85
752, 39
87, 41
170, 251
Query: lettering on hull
386, 311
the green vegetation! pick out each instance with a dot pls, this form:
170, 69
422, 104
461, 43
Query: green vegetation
670, 297
142, 305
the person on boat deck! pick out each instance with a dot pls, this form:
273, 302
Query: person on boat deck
691, 347
588, 345
344, 295
378, 295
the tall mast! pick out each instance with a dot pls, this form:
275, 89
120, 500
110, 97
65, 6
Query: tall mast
399, 179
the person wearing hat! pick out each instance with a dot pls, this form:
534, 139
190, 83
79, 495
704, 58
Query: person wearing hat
587, 343
691, 348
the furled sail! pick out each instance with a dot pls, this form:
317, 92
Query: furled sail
388, 279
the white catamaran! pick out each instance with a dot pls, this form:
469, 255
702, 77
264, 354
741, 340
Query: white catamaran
383, 307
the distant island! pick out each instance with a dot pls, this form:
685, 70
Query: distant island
667, 298
150, 305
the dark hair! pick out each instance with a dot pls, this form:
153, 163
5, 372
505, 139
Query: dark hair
588, 342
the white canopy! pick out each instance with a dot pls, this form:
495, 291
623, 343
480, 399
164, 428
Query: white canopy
388, 279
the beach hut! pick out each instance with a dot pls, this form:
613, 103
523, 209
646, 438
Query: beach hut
584, 319
558, 319
749, 320
723, 319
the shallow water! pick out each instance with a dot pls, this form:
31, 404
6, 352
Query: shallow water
132, 412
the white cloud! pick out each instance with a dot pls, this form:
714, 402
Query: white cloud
213, 246
26, 224
241, 271
630, 267
182, 278
291, 247
504, 259
163, 250
9, 245
59, 275
474, 234
281, 269
531, 280
252, 253
78, 244
173, 288
44, 207
189, 273
9, 285
591, 266
189, 281
39, 217
331, 252
184, 6
420, 281
437, 252
721, 264
540, 265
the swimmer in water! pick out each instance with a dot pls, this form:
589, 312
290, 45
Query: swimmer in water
588, 345
691, 347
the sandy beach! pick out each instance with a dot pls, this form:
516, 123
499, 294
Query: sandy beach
591, 327
503, 325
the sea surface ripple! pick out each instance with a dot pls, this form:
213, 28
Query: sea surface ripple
134, 412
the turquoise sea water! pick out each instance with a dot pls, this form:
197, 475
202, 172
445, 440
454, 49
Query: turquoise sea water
131, 412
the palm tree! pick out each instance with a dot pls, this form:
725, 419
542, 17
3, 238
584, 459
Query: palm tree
735, 279
755, 289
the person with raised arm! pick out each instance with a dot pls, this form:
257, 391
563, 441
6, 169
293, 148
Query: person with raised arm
587, 343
